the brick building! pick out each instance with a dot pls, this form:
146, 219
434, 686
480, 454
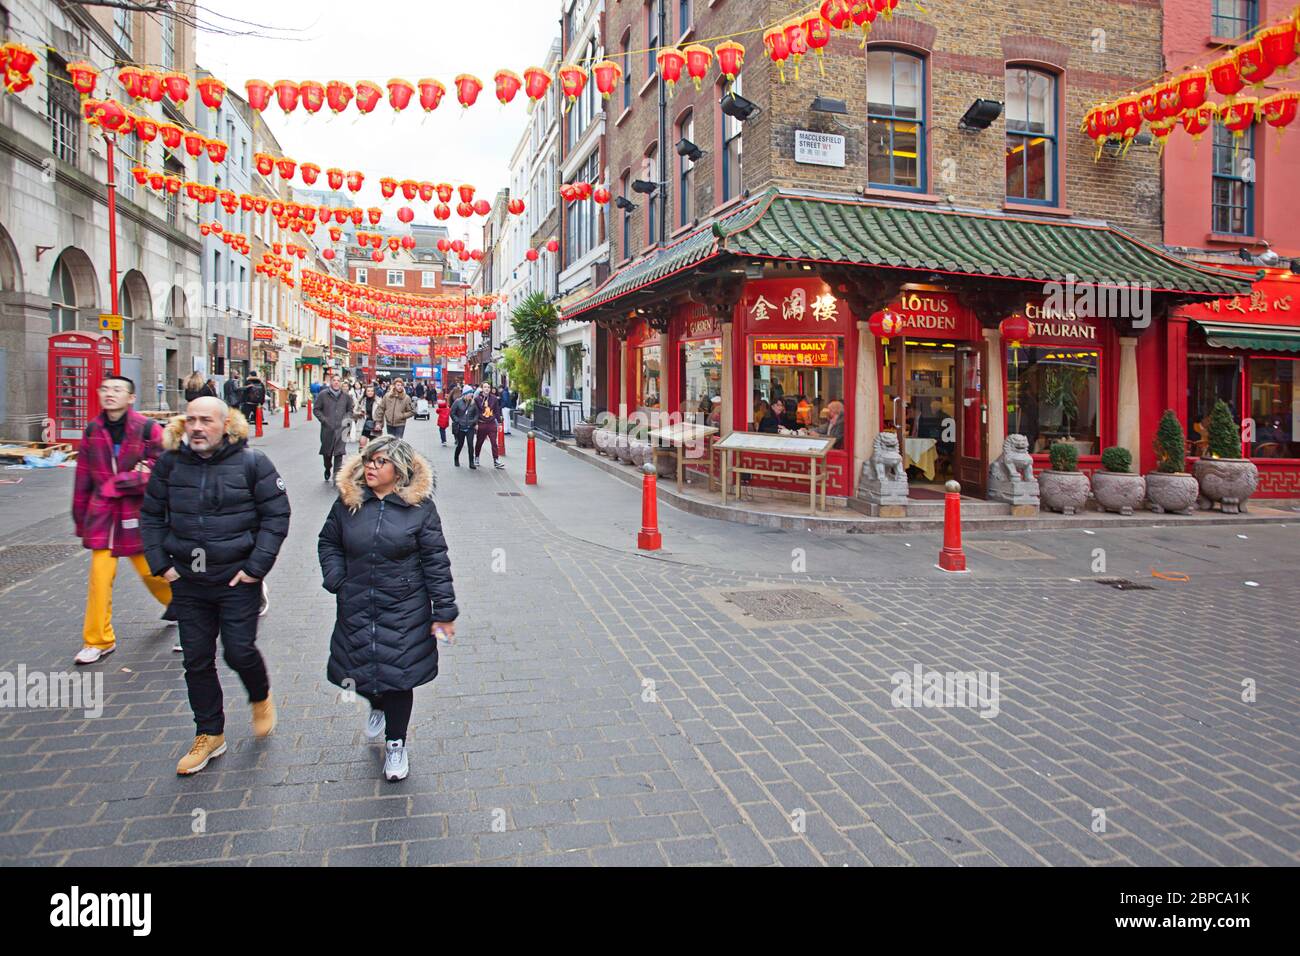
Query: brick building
936, 173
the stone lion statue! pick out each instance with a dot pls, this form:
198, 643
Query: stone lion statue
886, 459
1015, 462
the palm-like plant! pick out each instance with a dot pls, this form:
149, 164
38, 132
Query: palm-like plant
535, 322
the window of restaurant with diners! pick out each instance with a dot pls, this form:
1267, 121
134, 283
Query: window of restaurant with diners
648, 384
1054, 395
806, 373
1210, 378
1274, 407
701, 380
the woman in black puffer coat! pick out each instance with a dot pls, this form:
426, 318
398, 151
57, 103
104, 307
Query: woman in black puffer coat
383, 554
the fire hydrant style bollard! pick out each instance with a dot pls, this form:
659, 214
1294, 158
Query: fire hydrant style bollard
286, 414
952, 558
258, 415
530, 468
649, 538
309, 409
501, 440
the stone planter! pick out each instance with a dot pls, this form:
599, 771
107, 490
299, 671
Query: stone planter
1172, 493
1228, 481
1063, 491
582, 434
665, 463
1119, 491
640, 453
622, 449
601, 440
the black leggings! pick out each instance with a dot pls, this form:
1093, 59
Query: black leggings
396, 705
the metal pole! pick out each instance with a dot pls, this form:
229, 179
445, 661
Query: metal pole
112, 250
663, 134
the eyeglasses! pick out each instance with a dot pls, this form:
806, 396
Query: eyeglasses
378, 462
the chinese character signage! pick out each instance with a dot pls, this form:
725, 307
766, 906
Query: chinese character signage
820, 149
935, 315
1271, 302
263, 333
799, 352
794, 304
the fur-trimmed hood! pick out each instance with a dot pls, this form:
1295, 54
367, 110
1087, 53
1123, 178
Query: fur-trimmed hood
351, 483
174, 433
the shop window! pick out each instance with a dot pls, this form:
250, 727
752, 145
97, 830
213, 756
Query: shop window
1031, 135
649, 376
573, 373
895, 119
701, 378
1234, 18
1053, 396
686, 172
1210, 378
732, 148
806, 391
1234, 182
63, 109
627, 69
1275, 408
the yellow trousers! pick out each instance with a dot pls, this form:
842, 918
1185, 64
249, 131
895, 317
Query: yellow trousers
98, 629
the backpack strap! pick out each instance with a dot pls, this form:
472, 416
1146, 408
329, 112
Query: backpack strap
250, 471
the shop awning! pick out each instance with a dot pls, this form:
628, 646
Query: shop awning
1229, 335
784, 225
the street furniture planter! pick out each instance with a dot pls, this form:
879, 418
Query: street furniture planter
1063, 491
583, 433
1172, 493
1115, 487
1228, 482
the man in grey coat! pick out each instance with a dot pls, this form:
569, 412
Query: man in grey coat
333, 408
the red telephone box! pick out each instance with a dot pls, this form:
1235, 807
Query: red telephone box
77, 364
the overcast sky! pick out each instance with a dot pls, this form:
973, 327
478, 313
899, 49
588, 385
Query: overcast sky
380, 40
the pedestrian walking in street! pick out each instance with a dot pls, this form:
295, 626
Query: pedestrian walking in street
197, 387
420, 390
293, 396
382, 552
254, 395
444, 418
397, 409
119, 449
333, 408
489, 417
464, 421
508, 402
315, 388
232, 393
214, 517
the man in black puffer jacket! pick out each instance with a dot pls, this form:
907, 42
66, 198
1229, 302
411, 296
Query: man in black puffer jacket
214, 516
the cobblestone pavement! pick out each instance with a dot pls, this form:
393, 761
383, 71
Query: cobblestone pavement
605, 708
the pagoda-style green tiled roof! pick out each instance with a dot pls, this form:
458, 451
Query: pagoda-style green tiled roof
881, 235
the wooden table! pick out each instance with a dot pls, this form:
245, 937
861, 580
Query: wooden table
677, 437
814, 448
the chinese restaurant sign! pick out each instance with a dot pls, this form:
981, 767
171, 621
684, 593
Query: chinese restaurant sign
935, 315
1049, 325
1272, 302
793, 304
804, 352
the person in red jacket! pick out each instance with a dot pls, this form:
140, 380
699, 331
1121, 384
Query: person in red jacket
118, 451
444, 417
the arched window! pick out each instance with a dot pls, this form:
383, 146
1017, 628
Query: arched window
1031, 136
686, 172
732, 144
63, 299
651, 174
896, 119
627, 69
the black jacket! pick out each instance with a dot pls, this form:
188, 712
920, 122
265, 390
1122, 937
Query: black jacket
464, 413
210, 518
386, 561
205, 391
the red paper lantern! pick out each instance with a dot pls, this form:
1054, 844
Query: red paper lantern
131, 78
1279, 110
482, 207
277, 208
156, 181
377, 256
259, 94
573, 80
568, 192
410, 189
408, 242
444, 245
172, 184
211, 91
334, 176
286, 94
141, 174
698, 60
312, 95
309, 172
399, 94
607, 73
406, 214
444, 191
457, 245
205, 229
583, 189
476, 255
338, 95
216, 150
259, 204
1167, 101
1197, 121
335, 233
442, 212
1149, 104
466, 192
515, 207
508, 85
777, 45
388, 187
731, 57
1253, 65
368, 96
146, 130
286, 167
817, 34
864, 14
394, 244
194, 144
354, 180
552, 245
885, 324
468, 88
426, 192
374, 214
838, 13
1238, 115
327, 253
463, 255
601, 195
152, 86
536, 82
671, 62
531, 255
1193, 87
1015, 329
431, 93
177, 86
1281, 43
1160, 130
1226, 76
84, 77
798, 43
464, 210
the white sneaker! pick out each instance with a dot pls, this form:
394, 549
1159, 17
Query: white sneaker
88, 654
266, 601
396, 766
176, 648
374, 724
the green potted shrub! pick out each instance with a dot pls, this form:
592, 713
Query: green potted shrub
1116, 487
1171, 489
1063, 487
1221, 473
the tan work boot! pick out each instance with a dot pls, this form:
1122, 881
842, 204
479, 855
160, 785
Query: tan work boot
263, 717
206, 746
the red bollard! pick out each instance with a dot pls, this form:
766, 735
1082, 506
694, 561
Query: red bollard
309, 409
649, 538
530, 470
952, 558
501, 440
286, 414
258, 416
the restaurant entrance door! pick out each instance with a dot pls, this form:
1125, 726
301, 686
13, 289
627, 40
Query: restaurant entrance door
972, 419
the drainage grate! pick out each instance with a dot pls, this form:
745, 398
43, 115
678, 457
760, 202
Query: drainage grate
1009, 550
788, 604
1122, 584
510, 494
20, 562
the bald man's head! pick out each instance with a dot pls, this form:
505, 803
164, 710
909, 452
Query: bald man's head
205, 424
